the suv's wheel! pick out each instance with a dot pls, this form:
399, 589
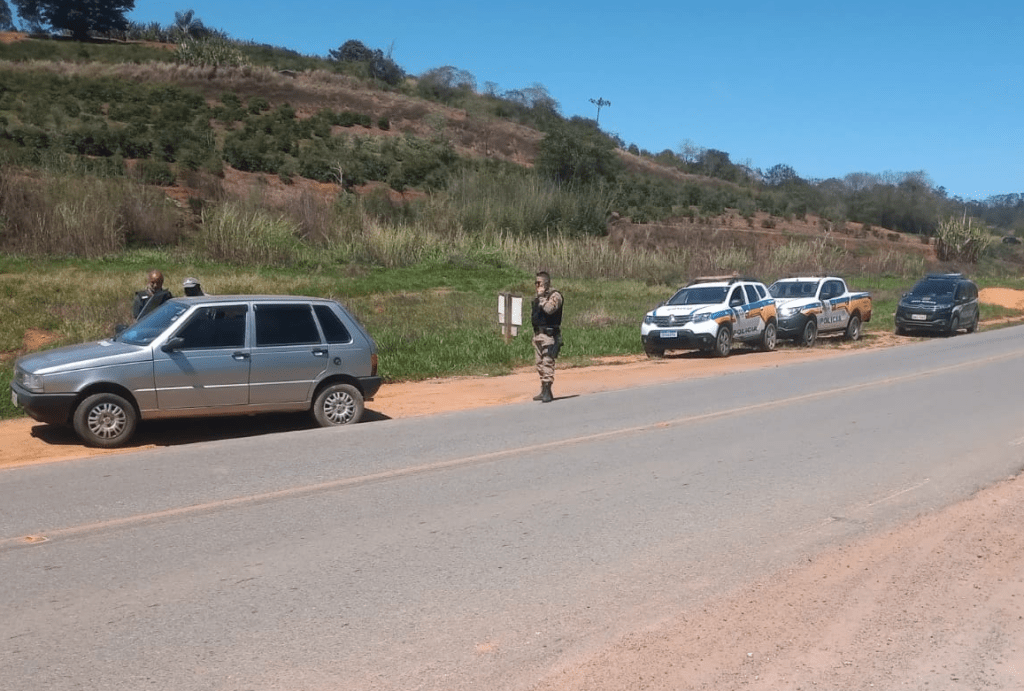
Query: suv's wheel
653, 352
853, 329
770, 337
105, 420
809, 334
973, 325
954, 325
723, 341
338, 404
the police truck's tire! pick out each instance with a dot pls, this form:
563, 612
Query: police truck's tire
338, 404
105, 420
723, 341
809, 334
770, 337
853, 329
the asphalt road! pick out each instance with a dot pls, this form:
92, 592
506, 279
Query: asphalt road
481, 549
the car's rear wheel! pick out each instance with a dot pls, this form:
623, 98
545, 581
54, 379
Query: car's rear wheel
770, 337
723, 341
809, 334
338, 404
853, 329
954, 325
105, 420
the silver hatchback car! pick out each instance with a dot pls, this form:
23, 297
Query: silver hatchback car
212, 355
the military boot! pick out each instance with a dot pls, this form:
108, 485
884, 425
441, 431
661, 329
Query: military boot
545, 394
540, 396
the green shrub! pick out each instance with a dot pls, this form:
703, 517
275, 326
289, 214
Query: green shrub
156, 173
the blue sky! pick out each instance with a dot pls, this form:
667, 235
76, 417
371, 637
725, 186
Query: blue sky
828, 89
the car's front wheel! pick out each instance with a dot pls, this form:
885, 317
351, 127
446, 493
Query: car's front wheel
653, 352
973, 326
105, 420
338, 404
954, 325
809, 334
723, 341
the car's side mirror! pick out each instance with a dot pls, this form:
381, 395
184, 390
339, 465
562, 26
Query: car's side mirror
173, 344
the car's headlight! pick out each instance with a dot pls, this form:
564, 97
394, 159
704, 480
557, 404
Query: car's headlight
649, 319
789, 311
701, 317
30, 382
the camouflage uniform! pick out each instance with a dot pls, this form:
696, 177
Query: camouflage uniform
547, 324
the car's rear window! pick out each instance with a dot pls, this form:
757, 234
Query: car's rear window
334, 329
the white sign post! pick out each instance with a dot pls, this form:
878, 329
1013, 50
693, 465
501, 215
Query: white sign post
510, 314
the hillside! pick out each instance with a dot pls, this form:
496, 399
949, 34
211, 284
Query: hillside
283, 134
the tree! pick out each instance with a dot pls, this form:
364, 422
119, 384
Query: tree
188, 25
600, 103
577, 152
780, 174
6, 19
377, 64
78, 17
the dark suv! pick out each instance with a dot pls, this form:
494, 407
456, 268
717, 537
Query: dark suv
939, 303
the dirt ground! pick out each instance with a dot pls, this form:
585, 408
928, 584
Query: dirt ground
936, 604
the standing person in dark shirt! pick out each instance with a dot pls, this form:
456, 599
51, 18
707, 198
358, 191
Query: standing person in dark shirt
152, 297
547, 333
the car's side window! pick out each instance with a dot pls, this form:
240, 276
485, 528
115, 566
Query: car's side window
333, 328
751, 294
278, 325
762, 292
736, 299
221, 326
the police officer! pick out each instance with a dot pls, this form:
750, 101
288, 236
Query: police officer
152, 297
547, 333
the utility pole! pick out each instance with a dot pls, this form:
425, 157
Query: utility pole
600, 103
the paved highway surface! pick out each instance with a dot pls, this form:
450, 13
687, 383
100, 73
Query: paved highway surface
481, 549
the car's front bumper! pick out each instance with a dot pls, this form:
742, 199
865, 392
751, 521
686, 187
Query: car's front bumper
51, 408
930, 321
792, 327
677, 339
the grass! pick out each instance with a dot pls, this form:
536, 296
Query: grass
431, 319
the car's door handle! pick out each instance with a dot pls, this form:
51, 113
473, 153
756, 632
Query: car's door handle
320, 352
239, 355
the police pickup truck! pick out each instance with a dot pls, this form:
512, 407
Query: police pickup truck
812, 305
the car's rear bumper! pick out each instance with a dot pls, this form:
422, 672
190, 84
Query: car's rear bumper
51, 408
370, 386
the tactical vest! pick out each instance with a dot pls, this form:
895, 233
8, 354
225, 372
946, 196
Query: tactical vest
542, 319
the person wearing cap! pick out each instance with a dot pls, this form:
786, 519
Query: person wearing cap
153, 296
192, 288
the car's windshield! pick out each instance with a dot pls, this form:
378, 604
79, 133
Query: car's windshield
153, 324
793, 289
934, 287
706, 295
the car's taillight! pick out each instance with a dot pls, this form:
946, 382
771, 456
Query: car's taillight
373, 365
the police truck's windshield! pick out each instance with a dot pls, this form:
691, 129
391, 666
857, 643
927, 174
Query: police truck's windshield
708, 295
793, 289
